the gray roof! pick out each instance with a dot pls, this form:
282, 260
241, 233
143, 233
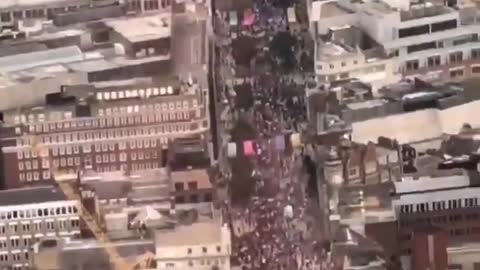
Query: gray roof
31, 195
95, 258
111, 190
41, 58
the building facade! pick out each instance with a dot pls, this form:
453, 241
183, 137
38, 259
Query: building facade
12, 12
436, 42
35, 213
453, 209
198, 246
120, 129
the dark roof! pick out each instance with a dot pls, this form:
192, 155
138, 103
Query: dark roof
96, 258
458, 145
31, 195
111, 190
359, 249
7, 50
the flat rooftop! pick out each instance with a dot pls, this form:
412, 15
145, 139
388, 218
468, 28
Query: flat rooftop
423, 11
367, 104
200, 176
31, 195
199, 233
160, 175
140, 29
424, 184
28, 3
332, 9
24, 61
331, 50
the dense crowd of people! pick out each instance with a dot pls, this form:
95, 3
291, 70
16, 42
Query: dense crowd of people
269, 238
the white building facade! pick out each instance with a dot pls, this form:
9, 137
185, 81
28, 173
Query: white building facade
22, 225
197, 246
429, 40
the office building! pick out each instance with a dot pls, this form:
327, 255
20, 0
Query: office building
124, 128
30, 215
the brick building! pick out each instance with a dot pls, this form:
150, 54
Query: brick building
105, 129
450, 203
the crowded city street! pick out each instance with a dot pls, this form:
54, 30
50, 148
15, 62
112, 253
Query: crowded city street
271, 228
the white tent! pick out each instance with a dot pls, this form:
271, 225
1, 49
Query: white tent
231, 150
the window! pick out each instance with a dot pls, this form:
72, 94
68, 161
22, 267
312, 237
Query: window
475, 53
204, 249
189, 251
192, 185
456, 57
411, 65
179, 187
456, 73
434, 61
476, 69
87, 148
414, 31
445, 25
421, 47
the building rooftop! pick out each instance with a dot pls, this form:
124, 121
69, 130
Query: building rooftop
200, 176
62, 254
422, 11
31, 195
425, 184
145, 28
200, 233
367, 104
27, 3
332, 9
40, 58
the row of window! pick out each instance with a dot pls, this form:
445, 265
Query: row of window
201, 262
439, 205
439, 220
332, 66
113, 122
87, 162
14, 257
37, 227
152, 109
90, 135
8, 16
87, 148
135, 5
34, 176
32, 213
346, 75
114, 95
138, 166
193, 198
436, 60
